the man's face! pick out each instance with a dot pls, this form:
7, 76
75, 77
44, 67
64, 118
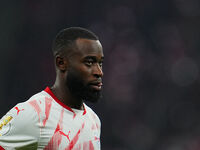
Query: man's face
84, 74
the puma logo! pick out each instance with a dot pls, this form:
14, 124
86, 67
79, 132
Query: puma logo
18, 110
66, 135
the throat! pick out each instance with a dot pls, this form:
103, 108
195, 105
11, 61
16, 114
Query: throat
66, 98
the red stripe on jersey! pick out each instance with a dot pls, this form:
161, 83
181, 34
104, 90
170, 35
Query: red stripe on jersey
48, 90
56, 139
91, 146
37, 108
88, 146
1, 148
75, 139
48, 104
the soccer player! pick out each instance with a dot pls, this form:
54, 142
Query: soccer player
57, 118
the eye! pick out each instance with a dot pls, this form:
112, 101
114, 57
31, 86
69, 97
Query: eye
101, 63
89, 62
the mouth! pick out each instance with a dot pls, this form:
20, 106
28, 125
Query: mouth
97, 86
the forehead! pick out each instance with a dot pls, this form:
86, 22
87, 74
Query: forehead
85, 47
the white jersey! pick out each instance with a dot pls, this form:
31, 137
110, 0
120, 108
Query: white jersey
44, 122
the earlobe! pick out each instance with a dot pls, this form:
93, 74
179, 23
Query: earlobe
61, 63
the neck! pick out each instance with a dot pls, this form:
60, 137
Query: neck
61, 91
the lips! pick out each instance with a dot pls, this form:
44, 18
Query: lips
96, 85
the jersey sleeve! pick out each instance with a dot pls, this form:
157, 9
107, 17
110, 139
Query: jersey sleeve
19, 128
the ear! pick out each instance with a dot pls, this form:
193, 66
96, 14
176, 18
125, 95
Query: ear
61, 63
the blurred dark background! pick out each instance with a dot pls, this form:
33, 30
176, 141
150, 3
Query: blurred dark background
152, 59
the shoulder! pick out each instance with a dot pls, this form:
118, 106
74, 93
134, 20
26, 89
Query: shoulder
21, 110
40, 104
23, 122
19, 127
16, 121
26, 112
93, 115
33, 105
26, 109
38, 97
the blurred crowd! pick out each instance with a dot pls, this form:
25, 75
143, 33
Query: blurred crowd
151, 95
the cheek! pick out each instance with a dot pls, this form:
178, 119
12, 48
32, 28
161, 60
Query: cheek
83, 73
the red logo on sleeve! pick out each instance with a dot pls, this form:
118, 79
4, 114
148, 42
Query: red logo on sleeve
18, 110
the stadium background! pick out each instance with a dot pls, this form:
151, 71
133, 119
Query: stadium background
152, 60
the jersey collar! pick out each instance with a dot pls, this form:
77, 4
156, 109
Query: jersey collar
48, 90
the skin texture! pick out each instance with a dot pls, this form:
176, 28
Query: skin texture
84, 64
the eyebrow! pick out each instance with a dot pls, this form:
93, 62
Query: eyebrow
93, 57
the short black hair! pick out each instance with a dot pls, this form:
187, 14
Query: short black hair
66, 37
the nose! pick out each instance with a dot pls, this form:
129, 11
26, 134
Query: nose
98, 72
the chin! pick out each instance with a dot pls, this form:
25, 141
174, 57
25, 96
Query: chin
93, 97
